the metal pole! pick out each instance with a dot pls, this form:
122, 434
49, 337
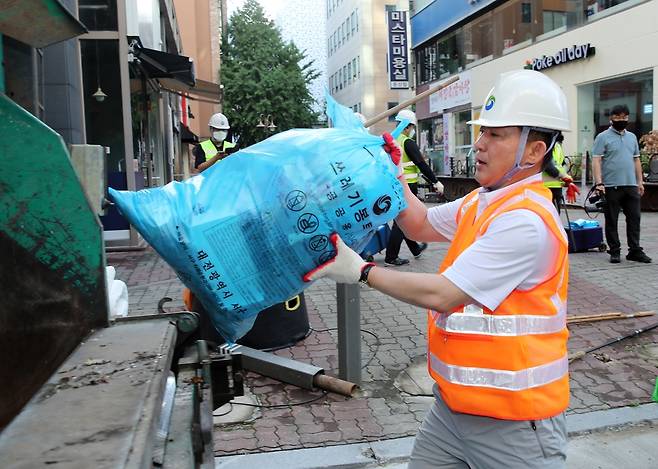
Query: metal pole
349, 332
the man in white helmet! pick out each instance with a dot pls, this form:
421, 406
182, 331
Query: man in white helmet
208, 152
413, 165
497, 337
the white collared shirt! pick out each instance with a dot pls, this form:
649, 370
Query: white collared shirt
516, 251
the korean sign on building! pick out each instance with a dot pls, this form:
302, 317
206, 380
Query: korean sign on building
398, 58
454, 95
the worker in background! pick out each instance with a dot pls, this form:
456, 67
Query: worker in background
413, 165
497, 335
209, 152
555, 177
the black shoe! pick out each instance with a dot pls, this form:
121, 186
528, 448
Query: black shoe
398, 261
421, 248
638, 256
615, 258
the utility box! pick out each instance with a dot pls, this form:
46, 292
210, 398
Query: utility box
89, 164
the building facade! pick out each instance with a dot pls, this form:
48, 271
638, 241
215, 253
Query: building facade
597, 51
202, 24
120, 84
357, 57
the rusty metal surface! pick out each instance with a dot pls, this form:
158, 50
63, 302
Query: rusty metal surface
101, 407
53, 266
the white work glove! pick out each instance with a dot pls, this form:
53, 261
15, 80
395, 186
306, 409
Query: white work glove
438, 186
345, 267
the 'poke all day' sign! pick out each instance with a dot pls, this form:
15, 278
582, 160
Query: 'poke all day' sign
564, 55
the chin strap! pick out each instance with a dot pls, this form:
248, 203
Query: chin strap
517, 161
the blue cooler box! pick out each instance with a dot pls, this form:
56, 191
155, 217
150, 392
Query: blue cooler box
584, 239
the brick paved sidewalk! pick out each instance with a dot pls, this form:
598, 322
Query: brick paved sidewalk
619, 375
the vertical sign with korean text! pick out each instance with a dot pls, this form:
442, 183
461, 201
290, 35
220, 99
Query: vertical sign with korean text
447, 118
398, 58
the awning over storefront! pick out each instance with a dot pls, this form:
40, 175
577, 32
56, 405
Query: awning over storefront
163, 65
38, 23
174, 73
205, 91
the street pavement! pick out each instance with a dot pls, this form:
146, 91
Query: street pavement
393, 338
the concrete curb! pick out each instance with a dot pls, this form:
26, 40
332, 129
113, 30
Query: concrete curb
605, 419
362, 455
335, 457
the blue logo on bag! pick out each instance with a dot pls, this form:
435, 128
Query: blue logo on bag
382, 205
490, 103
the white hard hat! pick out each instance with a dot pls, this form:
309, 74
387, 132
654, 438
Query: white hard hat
406, 114
525, 98
219, 121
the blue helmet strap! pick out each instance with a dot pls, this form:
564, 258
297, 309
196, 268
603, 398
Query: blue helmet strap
400, 128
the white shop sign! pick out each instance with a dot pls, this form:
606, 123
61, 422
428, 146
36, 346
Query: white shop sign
457, 94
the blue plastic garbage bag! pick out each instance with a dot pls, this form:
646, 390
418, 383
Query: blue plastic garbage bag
242, 234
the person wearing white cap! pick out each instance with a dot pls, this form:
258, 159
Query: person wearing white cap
413, 165
210, 151
497, 336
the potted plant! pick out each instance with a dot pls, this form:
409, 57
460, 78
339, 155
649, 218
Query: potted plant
649, 156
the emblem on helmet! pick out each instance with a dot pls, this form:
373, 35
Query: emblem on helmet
490, 103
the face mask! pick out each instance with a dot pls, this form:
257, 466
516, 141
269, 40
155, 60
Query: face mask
219, 135
412, 133
619, 125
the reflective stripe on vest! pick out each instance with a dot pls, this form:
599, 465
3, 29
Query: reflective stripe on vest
502, 325
510, 363
409, 168
502, 379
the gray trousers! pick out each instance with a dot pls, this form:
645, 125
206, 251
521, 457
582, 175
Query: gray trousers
456, 440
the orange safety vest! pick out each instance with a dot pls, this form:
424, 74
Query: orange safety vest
510, 363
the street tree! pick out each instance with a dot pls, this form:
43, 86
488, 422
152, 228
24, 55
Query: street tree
263, 75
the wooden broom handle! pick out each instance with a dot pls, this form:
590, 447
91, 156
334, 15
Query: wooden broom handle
409, 102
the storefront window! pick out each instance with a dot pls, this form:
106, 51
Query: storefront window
448, 55
478, 39
103, 115
558, 15
596, 6
427, 63
553, 20
431, 140
463, 145
597, 99
508, 27
513, 25
98, 15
